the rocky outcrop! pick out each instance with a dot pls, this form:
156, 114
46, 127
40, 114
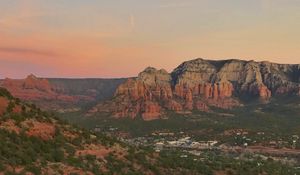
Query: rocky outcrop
261, 90
45, 131
151, 111
173, 105
143, 96
199, 85
208, 90
32, 82
40, 91
61, 94
31, 88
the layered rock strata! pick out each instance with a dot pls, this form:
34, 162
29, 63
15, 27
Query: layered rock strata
200, 85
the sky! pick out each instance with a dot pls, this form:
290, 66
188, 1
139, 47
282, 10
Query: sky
119, 38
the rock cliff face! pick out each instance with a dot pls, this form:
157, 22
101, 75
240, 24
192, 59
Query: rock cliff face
32, 82
199, 85
143, 95
38, 90
30, 88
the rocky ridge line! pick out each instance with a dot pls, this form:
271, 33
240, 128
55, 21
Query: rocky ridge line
199, 85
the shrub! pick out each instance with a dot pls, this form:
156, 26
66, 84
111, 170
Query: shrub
34, 169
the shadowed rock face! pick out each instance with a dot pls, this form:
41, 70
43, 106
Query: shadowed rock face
200, 84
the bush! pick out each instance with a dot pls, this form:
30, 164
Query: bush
58, 155
5, 93
2, 168
10, 107
34, 169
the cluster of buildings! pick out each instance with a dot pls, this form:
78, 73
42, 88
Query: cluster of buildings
272, 141
165, 142
185, 142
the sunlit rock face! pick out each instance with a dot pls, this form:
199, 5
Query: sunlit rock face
199, 85
30, 88
32, 82
38, 90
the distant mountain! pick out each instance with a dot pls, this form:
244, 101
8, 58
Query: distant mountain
99, 89
201, 85
59, 94
198, 84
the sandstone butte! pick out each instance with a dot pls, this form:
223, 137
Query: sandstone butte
199, 85
33, 88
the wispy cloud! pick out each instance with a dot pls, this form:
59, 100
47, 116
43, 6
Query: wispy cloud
15, 50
